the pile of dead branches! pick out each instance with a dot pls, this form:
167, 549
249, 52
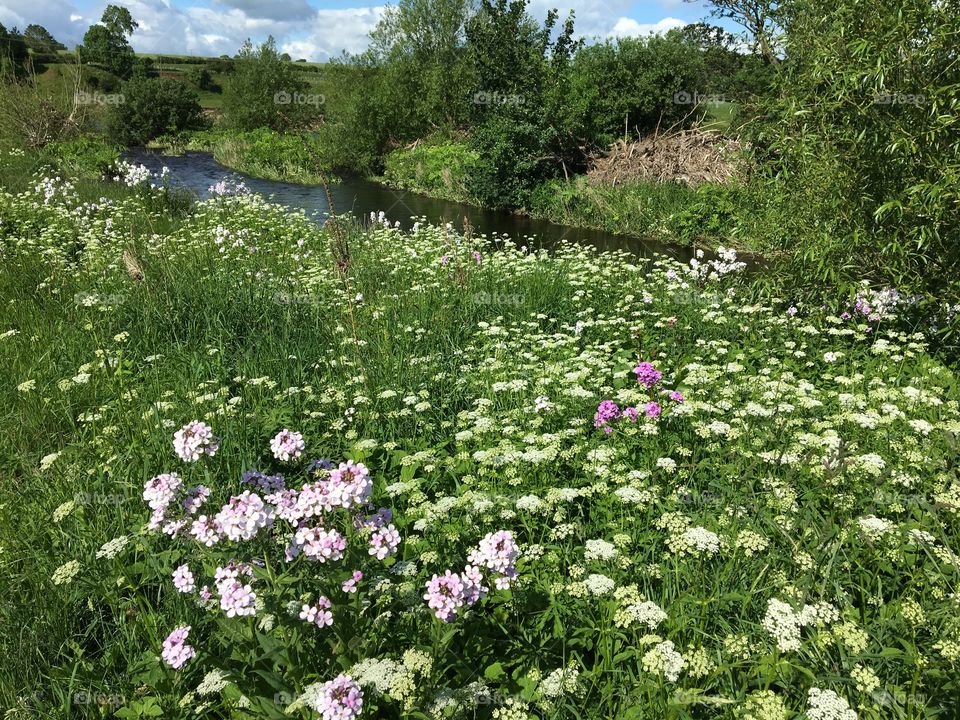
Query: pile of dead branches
690, 156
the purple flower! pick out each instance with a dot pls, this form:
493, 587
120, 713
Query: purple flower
243, 516
676, 396
497, 552
631, 414
652, 409
350, 586
445, 595
444, 260
384, 542
647, 374
176, 652
340, 699
159, 491
319, 613
606, 411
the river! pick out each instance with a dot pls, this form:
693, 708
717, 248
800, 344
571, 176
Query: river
198, 171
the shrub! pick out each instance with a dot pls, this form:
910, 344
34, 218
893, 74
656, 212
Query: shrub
152, 107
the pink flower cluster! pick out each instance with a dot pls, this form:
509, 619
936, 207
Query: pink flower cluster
183, 579
243, 517
176, 652
318, 544
319, 613
340, 699
164, 493
647, 375
448, 593
237, 598
350, 586
195, 439
287, 444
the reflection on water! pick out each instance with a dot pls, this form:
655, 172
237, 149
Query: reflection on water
198, 171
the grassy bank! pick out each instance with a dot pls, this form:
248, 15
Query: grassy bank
763, 522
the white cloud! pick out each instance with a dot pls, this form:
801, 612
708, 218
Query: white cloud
628, 27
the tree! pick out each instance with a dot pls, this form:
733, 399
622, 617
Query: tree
152, 107
39, 39
760, 20
13, 52
265, 91
106, 44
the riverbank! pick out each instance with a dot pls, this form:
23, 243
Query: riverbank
668, 212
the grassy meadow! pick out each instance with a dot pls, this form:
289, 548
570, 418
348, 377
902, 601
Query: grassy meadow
256, 468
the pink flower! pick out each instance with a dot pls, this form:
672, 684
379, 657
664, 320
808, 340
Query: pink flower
183, 579
677, 396
159, 491
175, 650
195, 439
287, 444
631, 414
350, 586
319, 544
206, 531
652, 409
319, 614
340, 699
243, 516
445, 595
384, 542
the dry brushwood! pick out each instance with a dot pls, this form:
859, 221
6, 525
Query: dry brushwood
690, 156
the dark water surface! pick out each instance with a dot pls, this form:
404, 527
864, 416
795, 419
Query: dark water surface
198, 171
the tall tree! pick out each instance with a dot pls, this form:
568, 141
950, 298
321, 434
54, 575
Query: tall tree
106, 43
760, 20
39, 39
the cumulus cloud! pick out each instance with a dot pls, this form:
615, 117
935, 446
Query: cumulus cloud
628, 27
272, 9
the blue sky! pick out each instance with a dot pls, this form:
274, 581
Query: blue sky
311, 29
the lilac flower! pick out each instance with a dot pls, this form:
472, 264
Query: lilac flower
175, 650
340, 699
196, 497
647, 374
319, 613
243, 516
206, 531
195, 439
287, 444
631, 414
497, 552
350, 586
652, 409
676, 396
159, 491
319, 544
444, 260
445, 595
263, 482
384, 542
183, 579
476, 257
236, 599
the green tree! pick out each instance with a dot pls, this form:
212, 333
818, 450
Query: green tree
106, 43
152, 107
13, 53
39, 39
760, 19
264, 91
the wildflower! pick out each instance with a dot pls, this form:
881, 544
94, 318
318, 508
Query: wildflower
47, 460
319, 613
384, 542
350, 586
27, 386
287, 444
195, 439
176, 652
497, 552
827, 705
112, 548
664, 660
340, 699
676, 396
652, 410
647, 375
183, 579
606, 411
445, 595
243, 516
64, 574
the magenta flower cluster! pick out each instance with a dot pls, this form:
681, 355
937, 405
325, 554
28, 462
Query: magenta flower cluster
647, 375
609, 412
195, 439
447, 594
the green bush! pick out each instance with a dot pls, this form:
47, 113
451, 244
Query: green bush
434, 167
152, 107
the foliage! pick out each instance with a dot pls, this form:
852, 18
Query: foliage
106, 44
39, 39
784, 531
262, 92
152, 107
435, 167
